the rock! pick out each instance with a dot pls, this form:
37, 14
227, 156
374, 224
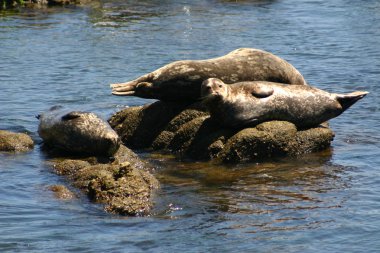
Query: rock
139, 127
123, 185
15, 142
8, 4
62, 192
274, 138
189, 132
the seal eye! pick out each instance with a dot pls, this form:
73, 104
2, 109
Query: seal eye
220, 86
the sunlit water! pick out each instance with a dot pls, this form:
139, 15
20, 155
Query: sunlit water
325, 202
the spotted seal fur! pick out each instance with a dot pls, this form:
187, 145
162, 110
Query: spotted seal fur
76, 132
181, 80
249, 103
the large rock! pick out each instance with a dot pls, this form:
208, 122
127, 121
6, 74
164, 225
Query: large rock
15, 142
8, 4
189, 132
139, 127
124, 185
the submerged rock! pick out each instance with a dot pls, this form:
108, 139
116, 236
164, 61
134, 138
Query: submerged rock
15, 142
62, 192
189, 132
123, 185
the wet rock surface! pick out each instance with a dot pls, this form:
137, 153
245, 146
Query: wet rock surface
15, 142
189, 132
9, 4
62, 192
123, 184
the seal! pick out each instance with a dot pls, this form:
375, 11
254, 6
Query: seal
76, 132
249, 103
181, 80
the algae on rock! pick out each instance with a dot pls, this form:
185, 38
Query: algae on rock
189, 132
124, 185
15, 142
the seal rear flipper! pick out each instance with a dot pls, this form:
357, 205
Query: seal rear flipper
346, 100
71, 115
142, 89
131, 85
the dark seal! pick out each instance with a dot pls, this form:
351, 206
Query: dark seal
181, 80
75, 132
249, 103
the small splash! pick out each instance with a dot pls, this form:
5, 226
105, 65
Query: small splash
189, 27
106, 24
187, 11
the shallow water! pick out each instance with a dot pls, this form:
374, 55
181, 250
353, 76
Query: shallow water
321, 202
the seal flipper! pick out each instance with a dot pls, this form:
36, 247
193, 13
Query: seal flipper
346, 100
70, 116
143, 89
126, 89
262, 91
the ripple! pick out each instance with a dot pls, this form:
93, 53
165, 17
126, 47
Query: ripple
315, 203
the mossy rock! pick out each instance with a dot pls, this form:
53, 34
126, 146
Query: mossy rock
9, 4
15, 142
274, 139
124, 185
188, 131
199, 139
62, 192
140, 127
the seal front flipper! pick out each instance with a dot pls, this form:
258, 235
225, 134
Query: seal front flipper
346, 100
71, 115
261, 91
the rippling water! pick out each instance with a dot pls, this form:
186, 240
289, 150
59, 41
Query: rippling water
321, 202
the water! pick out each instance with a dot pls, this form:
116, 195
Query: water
317, 203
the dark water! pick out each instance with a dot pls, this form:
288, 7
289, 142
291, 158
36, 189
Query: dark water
325, 202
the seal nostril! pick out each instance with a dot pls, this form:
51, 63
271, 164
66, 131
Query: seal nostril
208, 88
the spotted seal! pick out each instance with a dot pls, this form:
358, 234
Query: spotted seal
181, 80
249, 103
76, 132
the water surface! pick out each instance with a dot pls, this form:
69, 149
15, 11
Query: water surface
321, 202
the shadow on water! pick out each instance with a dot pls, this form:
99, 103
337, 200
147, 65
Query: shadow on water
282, 194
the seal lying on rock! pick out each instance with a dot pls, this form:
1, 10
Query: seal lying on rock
249, 103
181, 80
81, 133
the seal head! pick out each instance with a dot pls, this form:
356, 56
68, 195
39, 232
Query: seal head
214, 88
77, 132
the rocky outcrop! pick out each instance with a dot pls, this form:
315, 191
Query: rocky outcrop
8, 4
123, 184
15, 142
188, 131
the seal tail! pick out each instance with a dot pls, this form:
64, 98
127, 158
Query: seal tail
349, 99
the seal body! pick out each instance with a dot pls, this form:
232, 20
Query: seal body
181, 80
250, 103
81, 133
